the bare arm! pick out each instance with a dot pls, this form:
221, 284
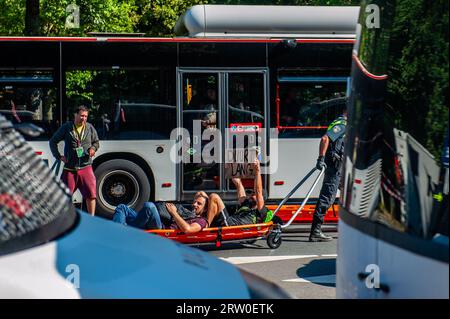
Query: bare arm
182, 224
240, 189
258, 186
324, 142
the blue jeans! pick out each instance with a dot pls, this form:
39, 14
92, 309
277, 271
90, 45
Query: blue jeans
147, 218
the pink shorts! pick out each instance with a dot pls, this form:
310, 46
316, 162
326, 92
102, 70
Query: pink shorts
83, 179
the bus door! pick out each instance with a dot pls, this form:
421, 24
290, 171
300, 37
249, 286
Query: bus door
212, 103
245, 119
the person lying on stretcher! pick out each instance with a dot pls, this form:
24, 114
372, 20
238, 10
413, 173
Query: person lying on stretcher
163, 215
250, 210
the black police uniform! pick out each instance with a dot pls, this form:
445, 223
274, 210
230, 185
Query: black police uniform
333, 160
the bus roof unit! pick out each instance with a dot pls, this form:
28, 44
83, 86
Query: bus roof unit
268, 21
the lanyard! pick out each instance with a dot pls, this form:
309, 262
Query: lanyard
79, 136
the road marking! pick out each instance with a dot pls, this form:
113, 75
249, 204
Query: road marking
329, 255
258, 259
326, 279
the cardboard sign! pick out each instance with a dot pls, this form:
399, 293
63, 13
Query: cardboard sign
241, 170
239, 163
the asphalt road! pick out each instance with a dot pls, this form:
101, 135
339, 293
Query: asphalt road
305, 270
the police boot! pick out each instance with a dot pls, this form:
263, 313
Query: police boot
317, 234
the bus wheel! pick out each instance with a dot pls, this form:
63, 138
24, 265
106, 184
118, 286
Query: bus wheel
120, 182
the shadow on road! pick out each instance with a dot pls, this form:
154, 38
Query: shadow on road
234, 246
302, 237
319, 271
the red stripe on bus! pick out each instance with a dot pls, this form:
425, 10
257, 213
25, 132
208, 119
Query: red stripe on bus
279, 183
357, 181
39, 153
364, 70
188, 40
235, 40
326, 40
165, 185
301, 127
79, 39
176, 40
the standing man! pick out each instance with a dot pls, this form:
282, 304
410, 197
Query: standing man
80, 144
331, 152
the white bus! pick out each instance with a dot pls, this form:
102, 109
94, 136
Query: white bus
285, 69
393, 226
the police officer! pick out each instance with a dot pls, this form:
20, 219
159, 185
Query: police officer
331, 153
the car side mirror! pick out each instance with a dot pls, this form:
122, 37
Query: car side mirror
29, 129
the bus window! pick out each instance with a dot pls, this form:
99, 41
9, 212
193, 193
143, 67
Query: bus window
246, 98
306, 108
125, 104
30, 98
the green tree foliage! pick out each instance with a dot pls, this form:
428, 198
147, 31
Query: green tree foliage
158, 17
95, 16
418, 70
12, 17
77, 83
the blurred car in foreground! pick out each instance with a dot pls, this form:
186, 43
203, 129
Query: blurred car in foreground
50, 250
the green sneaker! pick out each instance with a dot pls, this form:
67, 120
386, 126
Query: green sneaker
269, 216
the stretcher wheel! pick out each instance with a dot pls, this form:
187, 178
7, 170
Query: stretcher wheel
274, 240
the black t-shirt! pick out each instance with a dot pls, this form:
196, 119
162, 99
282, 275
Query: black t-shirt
245, 215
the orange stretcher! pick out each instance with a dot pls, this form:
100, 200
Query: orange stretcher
247, 233
219, 234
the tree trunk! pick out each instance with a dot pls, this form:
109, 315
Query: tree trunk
32, 23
